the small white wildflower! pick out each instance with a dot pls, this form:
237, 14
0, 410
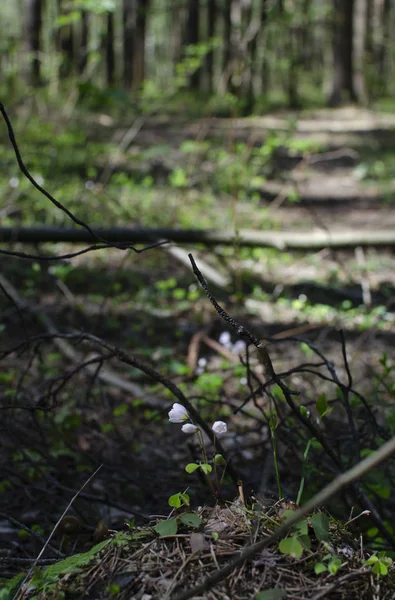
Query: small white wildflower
219, 428
90, 185
14, 182
202, 362
189, 428
243, 381
178, 414
239, 347
224, 340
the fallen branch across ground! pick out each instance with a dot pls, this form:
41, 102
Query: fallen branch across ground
283, 240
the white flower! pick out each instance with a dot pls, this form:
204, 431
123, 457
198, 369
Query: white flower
178, 414
239, 347
225, 340
219, 428
189, 428
14, 182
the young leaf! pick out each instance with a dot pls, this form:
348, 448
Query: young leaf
302, 527
334, 565
166, 528
320, 523
175, 500
185, 499
273, 421
380, 568
305, 541
206, 468
191, 467
291, 546
321, 405
319, 568
191, 520
219, 460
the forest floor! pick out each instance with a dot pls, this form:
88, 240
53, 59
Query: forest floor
316, 172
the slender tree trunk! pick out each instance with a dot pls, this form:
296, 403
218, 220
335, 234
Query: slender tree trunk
343, 80
65, 44
227, 47
211, 22
33, 17
359, 49
129, 24
192, 37
139, 44
110, 56
83, 46
385, 45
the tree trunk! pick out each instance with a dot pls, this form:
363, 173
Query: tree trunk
139, 44
384, 51
110, 56
129, 25
227, 48
259, 36
359, 49
33, 17
282, 240
83, 46
211, 22
342, 40
192, 37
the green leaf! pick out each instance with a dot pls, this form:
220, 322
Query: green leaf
191, 467
304, 411
175, 501
271, 594
206, 468
219, 460
319, 568
120, 410
321, 405
305, 541
380, 568
185, 499
302, 527
320, 523
334, 565
291, 546
273, 421
167, 528
191, 520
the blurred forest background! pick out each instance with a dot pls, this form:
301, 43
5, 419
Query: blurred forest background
259, 135
250, 53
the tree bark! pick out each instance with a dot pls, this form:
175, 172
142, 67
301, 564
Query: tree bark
83, 46
192, 37
139, 44
211, 23
227, 47
129, 24
359, 49
342, 40
110, 56
32, 34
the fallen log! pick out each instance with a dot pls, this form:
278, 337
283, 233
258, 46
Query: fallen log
283, 240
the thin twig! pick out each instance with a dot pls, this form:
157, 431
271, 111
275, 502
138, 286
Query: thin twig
21, 590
